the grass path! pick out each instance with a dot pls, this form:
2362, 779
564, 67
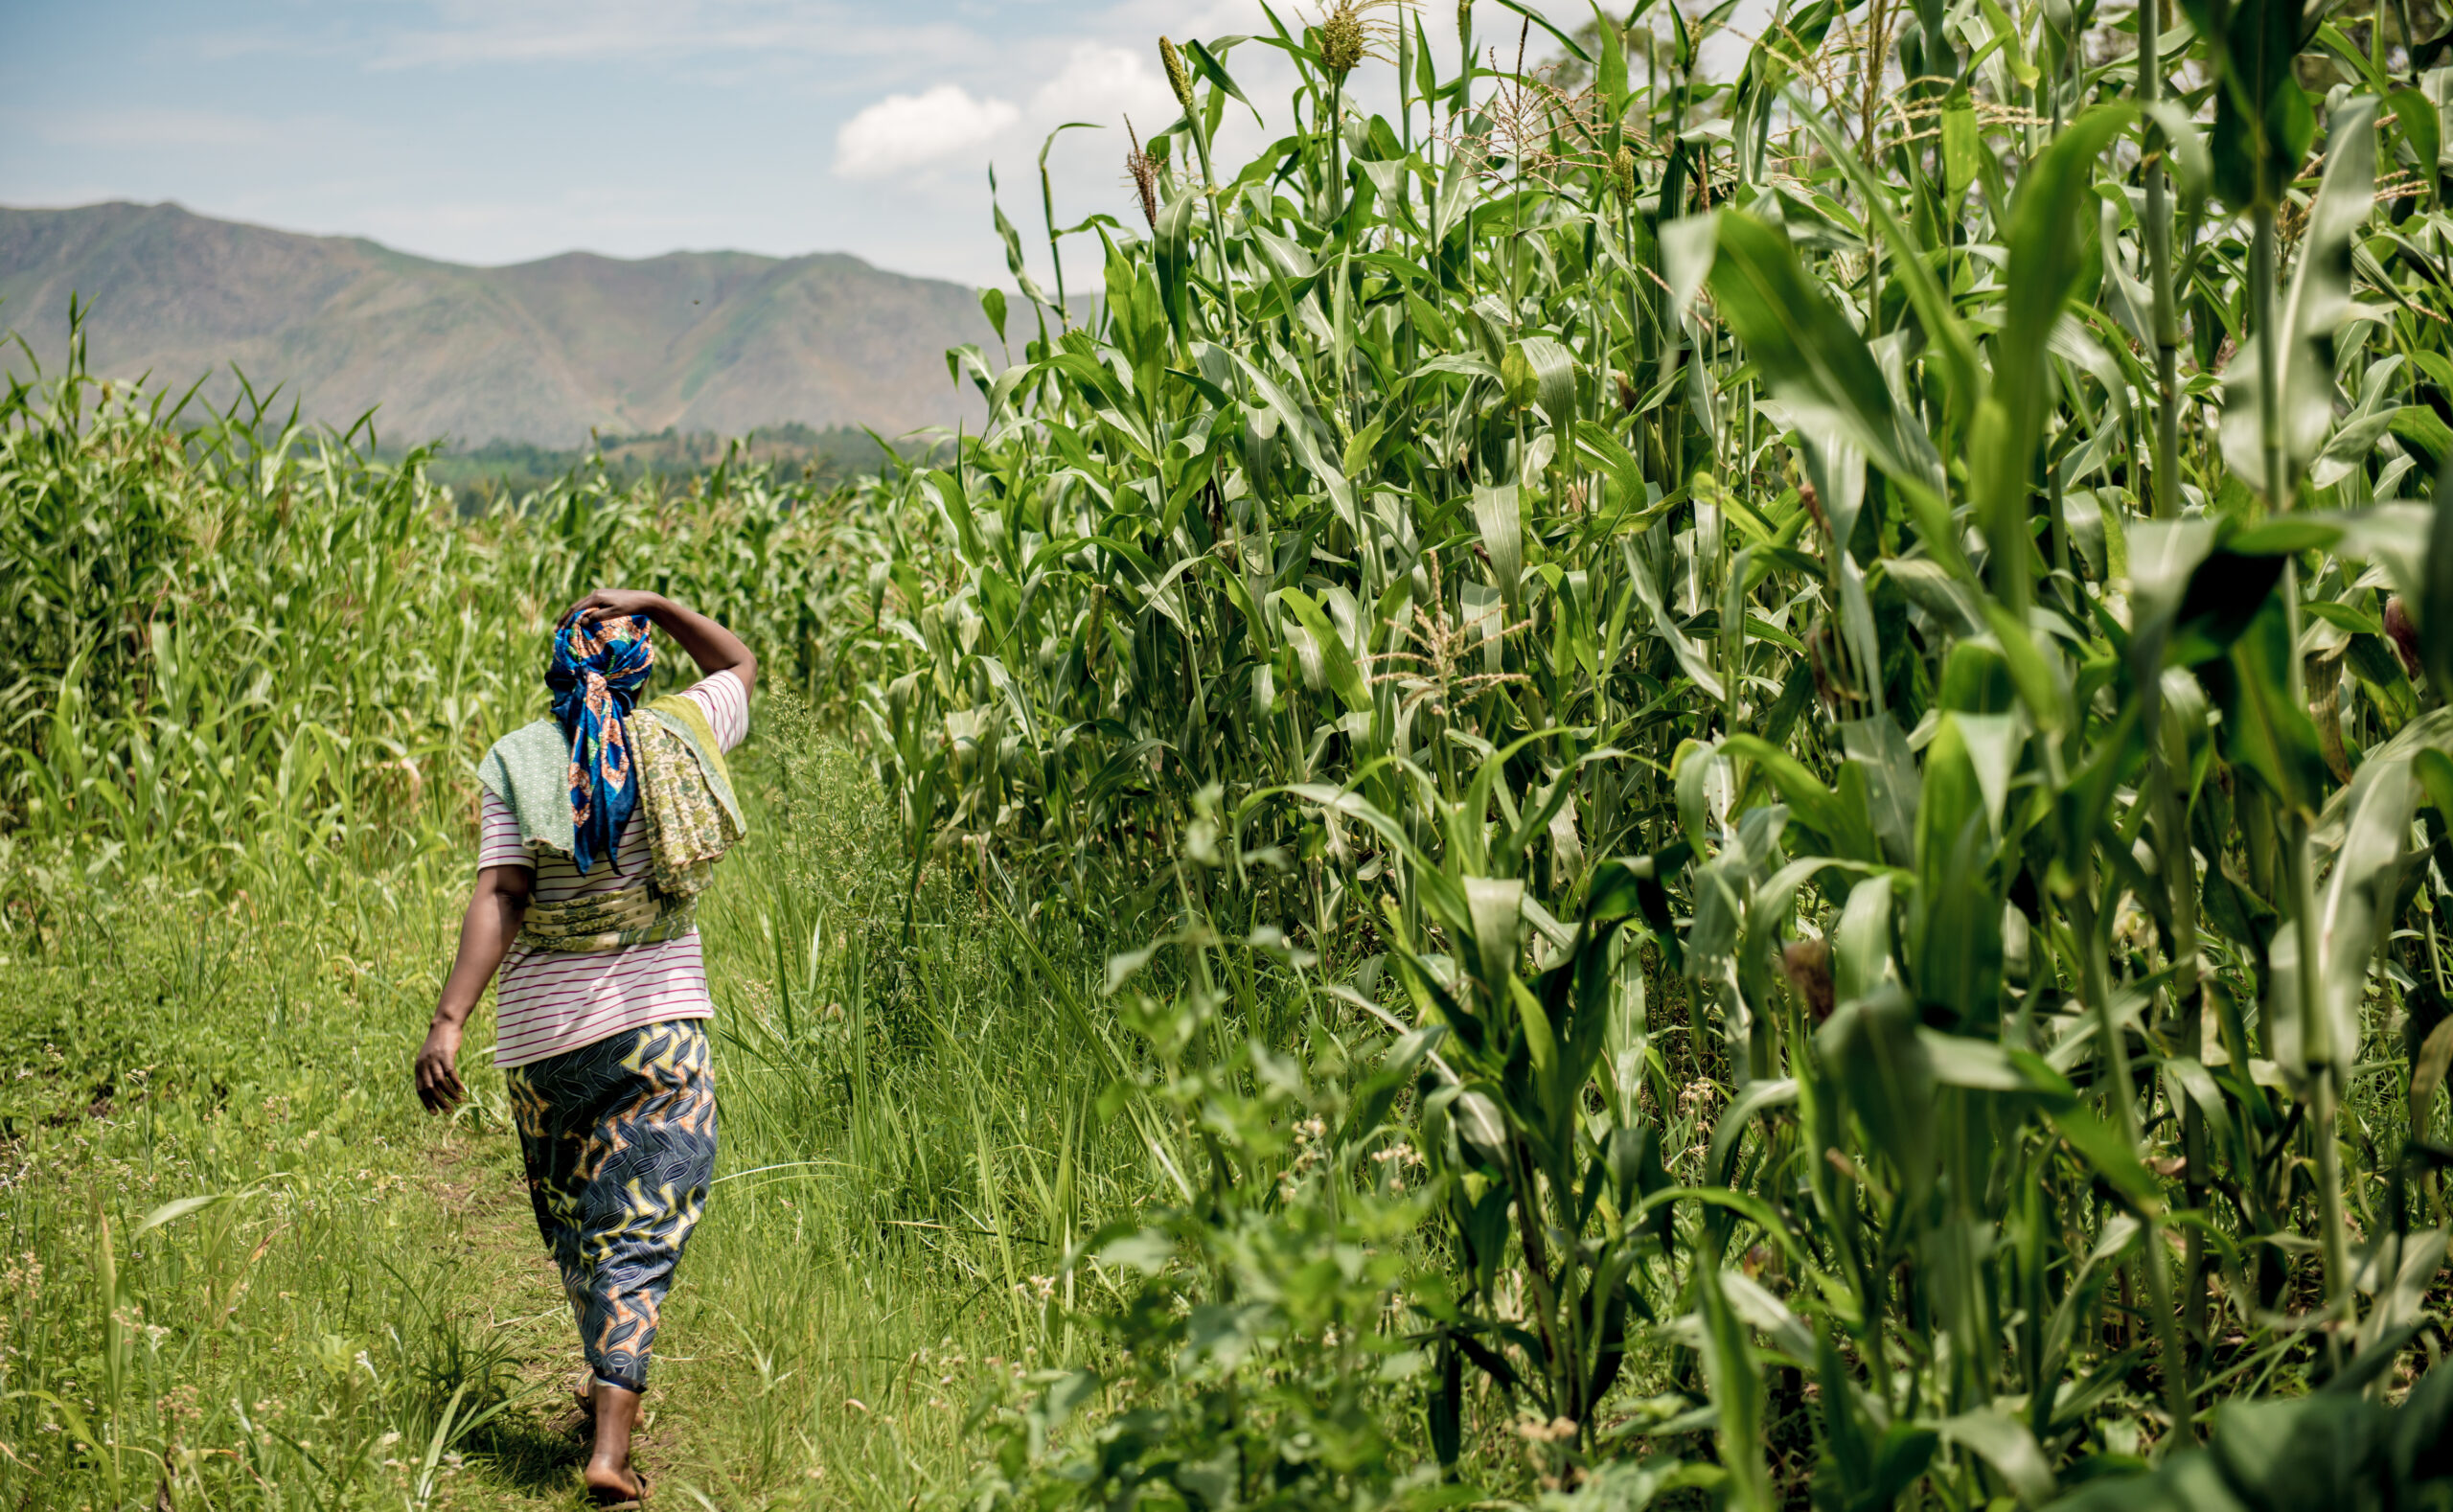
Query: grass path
485, 1242
791, 1370
487, 1256
787, 1373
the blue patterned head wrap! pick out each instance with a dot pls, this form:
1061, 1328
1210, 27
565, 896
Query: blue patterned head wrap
596, 675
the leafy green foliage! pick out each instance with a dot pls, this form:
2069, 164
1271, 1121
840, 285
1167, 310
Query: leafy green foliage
1695, 654
257, 644
1716, 595
2335, 1448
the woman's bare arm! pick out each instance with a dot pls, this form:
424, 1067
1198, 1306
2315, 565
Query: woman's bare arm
492, 923
714, 648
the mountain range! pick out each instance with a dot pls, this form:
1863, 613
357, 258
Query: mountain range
542, 352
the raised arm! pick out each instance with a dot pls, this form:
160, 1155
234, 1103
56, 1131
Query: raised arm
714, 648
492, 922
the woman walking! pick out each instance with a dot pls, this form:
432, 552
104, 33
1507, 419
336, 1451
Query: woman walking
600, 826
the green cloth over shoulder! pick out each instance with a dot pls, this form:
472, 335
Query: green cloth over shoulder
687, 718
530, 770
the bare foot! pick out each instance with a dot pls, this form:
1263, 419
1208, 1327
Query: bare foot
610, 1481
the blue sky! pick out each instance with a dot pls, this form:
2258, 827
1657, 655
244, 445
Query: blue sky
500, 130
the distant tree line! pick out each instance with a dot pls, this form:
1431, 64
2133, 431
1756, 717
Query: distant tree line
798, 453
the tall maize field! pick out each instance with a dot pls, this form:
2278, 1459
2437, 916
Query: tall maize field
1621, 785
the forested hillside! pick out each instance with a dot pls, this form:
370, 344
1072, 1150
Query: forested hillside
539, 352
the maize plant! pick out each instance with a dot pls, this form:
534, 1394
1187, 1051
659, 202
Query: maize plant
223, 635
1861, 642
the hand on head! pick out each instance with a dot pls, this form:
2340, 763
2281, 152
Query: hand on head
607, 603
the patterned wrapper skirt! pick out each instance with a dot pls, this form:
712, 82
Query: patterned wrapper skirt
619, 1139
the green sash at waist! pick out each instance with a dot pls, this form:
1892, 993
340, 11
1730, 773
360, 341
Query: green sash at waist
607, 921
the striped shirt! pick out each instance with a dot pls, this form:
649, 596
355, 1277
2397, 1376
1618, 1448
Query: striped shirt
548, 1001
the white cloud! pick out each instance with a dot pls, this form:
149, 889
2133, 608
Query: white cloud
905, 132
1101, 82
